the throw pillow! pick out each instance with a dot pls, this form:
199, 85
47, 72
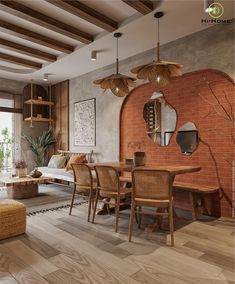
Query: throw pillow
76, 159
57, 161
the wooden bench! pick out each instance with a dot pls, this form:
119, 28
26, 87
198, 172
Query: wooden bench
196, 194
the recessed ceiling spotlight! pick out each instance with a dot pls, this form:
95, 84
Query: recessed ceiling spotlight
93, 55
45, 77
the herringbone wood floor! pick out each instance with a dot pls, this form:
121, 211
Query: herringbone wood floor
59, 248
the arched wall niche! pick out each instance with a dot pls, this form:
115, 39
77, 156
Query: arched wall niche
206, 98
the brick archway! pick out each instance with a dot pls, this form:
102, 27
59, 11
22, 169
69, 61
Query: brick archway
215, 151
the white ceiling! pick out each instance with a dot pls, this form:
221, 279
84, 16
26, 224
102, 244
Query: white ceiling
183, 17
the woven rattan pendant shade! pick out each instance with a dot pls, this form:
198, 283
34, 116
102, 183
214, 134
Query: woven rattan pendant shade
158, 72
119, 84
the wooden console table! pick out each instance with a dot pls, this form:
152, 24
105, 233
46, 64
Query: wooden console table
22, 188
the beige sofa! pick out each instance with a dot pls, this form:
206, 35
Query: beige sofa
61, 174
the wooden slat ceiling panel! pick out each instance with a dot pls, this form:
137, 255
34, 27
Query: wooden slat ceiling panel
87, 13
22, 49
18, 28
40, 19
20, 61
34, 37
142, 6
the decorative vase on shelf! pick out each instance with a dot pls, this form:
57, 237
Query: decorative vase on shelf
35, 173
21, 169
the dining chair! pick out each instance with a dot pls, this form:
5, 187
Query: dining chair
151, 188
108, 189
84, 184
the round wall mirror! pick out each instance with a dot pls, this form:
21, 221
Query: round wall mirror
187, 138
160, 119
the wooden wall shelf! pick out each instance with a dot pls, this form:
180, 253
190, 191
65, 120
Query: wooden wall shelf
39, 102
37, 119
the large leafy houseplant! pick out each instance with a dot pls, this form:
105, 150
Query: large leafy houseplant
40, 145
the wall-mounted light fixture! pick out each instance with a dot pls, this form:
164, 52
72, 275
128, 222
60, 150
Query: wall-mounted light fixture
93, 55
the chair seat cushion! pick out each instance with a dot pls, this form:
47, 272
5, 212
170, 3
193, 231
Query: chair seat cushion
109, 193
152, 202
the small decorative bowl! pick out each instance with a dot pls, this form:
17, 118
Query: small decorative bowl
35, 173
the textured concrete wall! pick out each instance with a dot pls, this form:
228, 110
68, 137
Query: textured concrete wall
212, 48
22, 127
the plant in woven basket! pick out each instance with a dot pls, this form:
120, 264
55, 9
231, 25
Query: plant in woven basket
21, 168
40, 145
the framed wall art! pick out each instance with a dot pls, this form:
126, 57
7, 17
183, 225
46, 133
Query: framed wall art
85, 123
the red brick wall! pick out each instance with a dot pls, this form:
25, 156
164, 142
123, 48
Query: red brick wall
215, 152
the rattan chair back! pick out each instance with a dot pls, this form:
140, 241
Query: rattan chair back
107, 178
152, 184
82, 175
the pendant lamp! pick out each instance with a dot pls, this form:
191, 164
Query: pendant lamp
158, 72
118, 83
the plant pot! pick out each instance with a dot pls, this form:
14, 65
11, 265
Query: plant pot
21, 172
139, 159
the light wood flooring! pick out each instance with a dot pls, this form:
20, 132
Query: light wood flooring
59, 248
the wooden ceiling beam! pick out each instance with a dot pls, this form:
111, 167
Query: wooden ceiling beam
88, 14
26, 13
20, 61
19, 48
142, 6
34, 37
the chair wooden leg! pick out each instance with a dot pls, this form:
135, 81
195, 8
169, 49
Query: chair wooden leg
72, 201
96, 201
107, 206
117, 208
160, 217
131, 221
139, 216
89, 206
93, 203
171, 223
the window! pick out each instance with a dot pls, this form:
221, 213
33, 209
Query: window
10, 129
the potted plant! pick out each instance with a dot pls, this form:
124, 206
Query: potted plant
21, 168
40, 146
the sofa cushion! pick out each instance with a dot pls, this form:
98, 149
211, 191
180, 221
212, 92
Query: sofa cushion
75, 159
57, 162
60, 174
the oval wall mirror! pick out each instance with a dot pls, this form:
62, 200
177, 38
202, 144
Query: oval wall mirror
187, 138
160, 119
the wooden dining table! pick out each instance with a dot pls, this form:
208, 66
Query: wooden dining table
173, 169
